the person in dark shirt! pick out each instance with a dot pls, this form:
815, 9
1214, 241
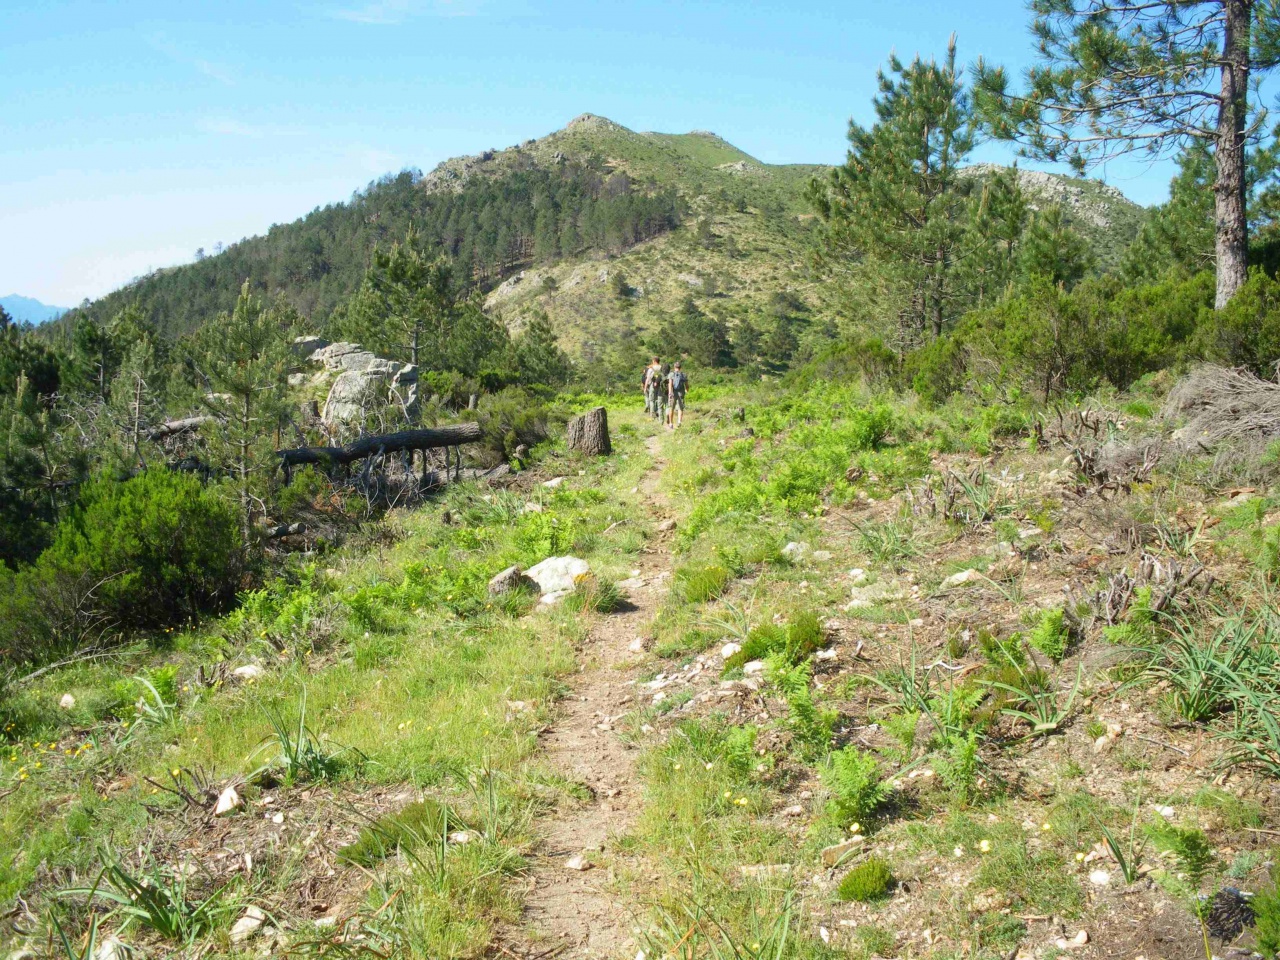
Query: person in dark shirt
677, 387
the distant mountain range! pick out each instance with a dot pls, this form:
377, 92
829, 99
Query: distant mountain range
29, 310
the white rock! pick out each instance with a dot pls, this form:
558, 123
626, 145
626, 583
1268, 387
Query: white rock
277, 818
532, 507
577, 862
556, 574
822, 556
857, 575
554, 597
1081, 938
636, 645
752, 668
228, 802
553, 483
833, 854
1099, 878
795, 810
1164, 811
248, 924
797, 550
463, 837
67, 701
250, 671
729, 649
828, 654
961, 578
111, 948
873, 595
666, 526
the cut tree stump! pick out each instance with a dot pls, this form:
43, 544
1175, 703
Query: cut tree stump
589, 433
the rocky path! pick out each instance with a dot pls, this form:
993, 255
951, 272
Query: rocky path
570, 907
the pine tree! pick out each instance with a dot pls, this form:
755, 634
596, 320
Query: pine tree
894, 204
1124, 77
1053, 251
246, 362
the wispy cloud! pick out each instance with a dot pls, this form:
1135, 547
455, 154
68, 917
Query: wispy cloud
381, 12
215, 71
230, 127
209, 68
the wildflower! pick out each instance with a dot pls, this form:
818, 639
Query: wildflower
958, 851
1046, 827
1079, 856
710, 765
855, 827
985, 846
728, 794
741, 801
39, 764
678, 766
755, 946
175, 772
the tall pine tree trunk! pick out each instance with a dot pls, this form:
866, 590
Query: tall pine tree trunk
1231, 228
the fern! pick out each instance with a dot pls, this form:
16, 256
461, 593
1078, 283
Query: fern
1052, 636
853, 777
1188, 846
960, 764
810, 725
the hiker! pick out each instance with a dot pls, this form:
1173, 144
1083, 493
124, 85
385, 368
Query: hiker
660, 392
677, 387
652, 384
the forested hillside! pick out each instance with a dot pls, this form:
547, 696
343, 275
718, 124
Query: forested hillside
588, 194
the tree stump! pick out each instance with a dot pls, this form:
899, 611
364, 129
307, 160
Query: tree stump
589, 433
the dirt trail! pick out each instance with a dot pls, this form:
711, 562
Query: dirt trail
568, 912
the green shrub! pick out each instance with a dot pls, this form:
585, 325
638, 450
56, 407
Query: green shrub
1246, 332
515, 416
699, 582
938, 369
804, 637
853, 777
417, 824
1052, 636
797, 642
868, 881
592, 593
162, 547
1266, 915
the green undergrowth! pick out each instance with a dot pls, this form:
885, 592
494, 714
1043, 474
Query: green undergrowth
389, 665
906, 759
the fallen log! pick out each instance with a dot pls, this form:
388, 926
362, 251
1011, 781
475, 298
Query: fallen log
275, 532
173, 427
428, 439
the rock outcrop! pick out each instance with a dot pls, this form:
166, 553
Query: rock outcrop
364, 380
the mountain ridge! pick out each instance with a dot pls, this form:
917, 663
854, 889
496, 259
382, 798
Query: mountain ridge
754, 218
30, 310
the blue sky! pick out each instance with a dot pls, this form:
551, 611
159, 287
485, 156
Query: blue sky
132, 133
